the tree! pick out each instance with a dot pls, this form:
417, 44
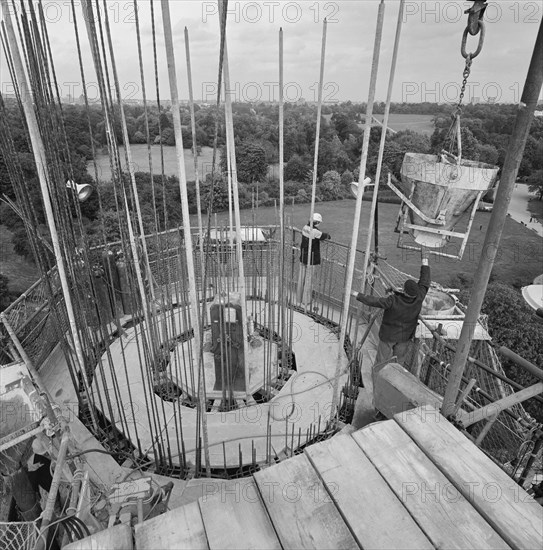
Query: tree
535, 183
251, 163
296, 169
10, 218
330, 186
332, 156
345, 125
165, 121
21, 245
488, 153
512, 324
219, 188
168, 136
470, 146
109, 220
5, 294
532, 158
139, 137
347, 179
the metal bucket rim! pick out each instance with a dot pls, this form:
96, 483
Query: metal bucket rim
434, 159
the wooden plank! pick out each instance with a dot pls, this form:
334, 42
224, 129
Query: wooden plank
302, 513
446, 517
504, 504
234, 517
20, 435
363, 497
118, 537
182, 529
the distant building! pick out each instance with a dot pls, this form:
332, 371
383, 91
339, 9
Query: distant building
475, 100
491, 100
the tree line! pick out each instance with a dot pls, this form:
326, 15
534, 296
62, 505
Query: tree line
485, 137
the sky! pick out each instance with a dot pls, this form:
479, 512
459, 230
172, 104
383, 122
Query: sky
429, 64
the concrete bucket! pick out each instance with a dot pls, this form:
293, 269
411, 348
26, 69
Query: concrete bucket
438, 193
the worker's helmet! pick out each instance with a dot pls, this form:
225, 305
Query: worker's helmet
317, 218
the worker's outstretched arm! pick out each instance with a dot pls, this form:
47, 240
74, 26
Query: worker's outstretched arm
373, 301
425, 276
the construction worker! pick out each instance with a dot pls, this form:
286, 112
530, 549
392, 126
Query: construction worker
305, 276
402, 308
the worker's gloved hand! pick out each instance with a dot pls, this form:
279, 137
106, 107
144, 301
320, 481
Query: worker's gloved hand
354, 293
424, 254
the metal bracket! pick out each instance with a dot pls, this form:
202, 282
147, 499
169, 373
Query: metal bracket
463, 236
435, 221
475, 15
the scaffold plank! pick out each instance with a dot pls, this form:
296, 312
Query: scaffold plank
235, 517
363, 497
447, 518
182, 529
502, 502
303, 514
118, 537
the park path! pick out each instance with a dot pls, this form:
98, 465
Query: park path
518, 209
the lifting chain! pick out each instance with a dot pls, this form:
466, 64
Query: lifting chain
474, 27
465, 76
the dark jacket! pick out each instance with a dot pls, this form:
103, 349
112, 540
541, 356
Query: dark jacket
401, 312
317, 237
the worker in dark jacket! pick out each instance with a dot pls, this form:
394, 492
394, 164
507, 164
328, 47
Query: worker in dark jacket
401, 314
305, 275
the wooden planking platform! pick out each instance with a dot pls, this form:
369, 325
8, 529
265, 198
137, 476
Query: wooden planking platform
235, 517
182, 529
390, 485
354, 484
446, 517
118, 536
503, 503
302, 512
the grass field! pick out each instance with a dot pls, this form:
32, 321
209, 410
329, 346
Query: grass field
418, 123
518, 260
140, 158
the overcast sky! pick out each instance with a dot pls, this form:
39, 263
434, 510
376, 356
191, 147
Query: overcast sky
429, 64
